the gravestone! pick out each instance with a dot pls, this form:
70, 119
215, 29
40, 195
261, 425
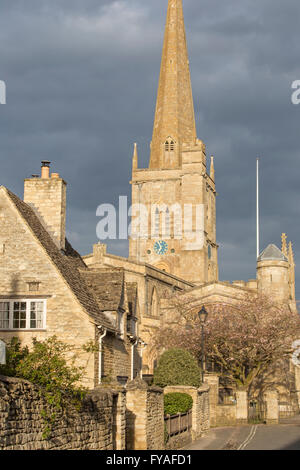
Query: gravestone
2, 352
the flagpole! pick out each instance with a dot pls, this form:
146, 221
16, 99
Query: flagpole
257, 207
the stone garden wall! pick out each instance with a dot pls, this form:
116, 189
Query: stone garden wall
100, 424
144, 416
200, 410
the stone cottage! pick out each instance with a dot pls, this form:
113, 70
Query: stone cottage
47, 289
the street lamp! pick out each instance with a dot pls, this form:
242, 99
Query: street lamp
202, 317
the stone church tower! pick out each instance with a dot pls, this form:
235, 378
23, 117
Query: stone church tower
176, 230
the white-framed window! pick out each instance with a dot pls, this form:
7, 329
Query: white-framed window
23, 314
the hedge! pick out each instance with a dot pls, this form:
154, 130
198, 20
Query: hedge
175, 403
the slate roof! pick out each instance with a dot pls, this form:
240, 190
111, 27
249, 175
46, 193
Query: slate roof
69, 263
272, 252
132, 291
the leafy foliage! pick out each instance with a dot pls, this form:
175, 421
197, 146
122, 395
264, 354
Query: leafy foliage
177, 403
14, 354
177, 367
48, 366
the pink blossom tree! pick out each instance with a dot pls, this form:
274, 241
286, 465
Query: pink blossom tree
245, 339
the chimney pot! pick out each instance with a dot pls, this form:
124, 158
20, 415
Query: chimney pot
45, 169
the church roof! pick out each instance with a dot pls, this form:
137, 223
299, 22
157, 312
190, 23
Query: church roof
272, 252
132, 296
67, 262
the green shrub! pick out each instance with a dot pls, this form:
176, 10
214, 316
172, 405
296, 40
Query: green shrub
177, 367
15, 353
177, 403
49, 366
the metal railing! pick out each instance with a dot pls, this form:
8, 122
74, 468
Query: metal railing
256, 411
286, 410
178, 424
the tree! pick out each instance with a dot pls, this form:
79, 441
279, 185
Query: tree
245, 339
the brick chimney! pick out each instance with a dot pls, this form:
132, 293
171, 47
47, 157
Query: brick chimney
47, 196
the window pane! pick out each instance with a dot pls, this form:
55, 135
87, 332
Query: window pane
19, 316
36, 314
4, 314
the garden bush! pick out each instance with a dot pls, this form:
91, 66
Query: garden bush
49, 366
177, 403
177, 367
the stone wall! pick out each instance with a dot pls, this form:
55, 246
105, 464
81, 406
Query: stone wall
297, 383
200, 410
99, 425
225, 415
116, 358
144, 416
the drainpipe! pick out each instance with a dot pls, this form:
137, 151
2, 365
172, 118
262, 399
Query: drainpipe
100, 354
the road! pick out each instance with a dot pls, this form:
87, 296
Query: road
284, 436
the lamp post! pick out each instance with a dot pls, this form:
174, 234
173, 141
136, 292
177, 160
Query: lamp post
202, 317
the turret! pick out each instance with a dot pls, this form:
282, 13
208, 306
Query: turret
273, 274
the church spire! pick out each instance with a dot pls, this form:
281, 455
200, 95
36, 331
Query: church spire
174, 122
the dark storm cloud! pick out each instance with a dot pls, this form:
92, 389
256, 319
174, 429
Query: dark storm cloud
81, 81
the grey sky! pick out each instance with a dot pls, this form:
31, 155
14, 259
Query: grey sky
81, 80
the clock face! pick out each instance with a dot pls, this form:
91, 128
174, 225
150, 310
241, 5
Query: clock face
160, 247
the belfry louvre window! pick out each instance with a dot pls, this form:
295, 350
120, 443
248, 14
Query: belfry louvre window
23, 315
169, 145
